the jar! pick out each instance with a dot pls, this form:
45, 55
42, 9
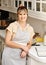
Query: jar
45, 38
3, 23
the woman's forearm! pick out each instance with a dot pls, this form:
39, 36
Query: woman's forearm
16, 45
13, 44
29, 45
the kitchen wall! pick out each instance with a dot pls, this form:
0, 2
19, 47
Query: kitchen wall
38, 25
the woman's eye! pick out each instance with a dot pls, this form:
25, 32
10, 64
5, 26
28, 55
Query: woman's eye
20, 14
24, 14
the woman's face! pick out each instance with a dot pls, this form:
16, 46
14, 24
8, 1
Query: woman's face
22, 16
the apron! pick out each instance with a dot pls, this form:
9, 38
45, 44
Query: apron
11, 56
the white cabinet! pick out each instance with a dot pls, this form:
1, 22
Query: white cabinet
32, 61
6, 3
36, 8
17, 3
41, 9
33, 58
41, 5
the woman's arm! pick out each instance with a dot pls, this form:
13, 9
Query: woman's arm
29, 44
12, 44
9, 42
23, 54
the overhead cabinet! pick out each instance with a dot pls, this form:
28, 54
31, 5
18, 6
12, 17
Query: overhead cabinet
36, 8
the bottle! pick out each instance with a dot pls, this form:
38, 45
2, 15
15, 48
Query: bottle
45, 38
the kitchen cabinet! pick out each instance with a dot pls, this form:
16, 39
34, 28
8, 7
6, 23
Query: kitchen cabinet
6, 3
41, 4
37, 9
33, 58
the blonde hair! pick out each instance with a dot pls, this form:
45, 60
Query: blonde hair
20, 8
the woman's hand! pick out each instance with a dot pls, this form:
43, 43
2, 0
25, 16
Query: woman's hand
23, 54
25, 48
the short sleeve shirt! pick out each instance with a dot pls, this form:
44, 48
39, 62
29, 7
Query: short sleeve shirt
14, 26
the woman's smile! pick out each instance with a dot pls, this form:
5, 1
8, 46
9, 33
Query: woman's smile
22, 16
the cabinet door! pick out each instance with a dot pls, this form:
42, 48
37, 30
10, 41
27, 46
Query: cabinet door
6, 3
41, 9
12, 3
29, 5
37, 9
9, 3
41, 5
16, 3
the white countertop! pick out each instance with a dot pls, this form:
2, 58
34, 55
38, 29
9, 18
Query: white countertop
33, 54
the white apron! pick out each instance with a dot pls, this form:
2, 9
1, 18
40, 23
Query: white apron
11, 56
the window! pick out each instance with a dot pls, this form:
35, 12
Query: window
30, 5
41, 5
16, 3
19, 2
37, 6
25, 4
44, 7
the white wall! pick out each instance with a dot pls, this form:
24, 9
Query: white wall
38, 25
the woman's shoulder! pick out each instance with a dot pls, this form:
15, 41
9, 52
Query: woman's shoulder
31, 30
12, 27
30, 27
13, 24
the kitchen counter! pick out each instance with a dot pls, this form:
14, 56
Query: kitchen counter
33, 54
34, 59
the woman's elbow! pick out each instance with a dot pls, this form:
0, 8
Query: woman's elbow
6, 42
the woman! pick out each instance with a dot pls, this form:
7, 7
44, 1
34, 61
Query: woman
18, 40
